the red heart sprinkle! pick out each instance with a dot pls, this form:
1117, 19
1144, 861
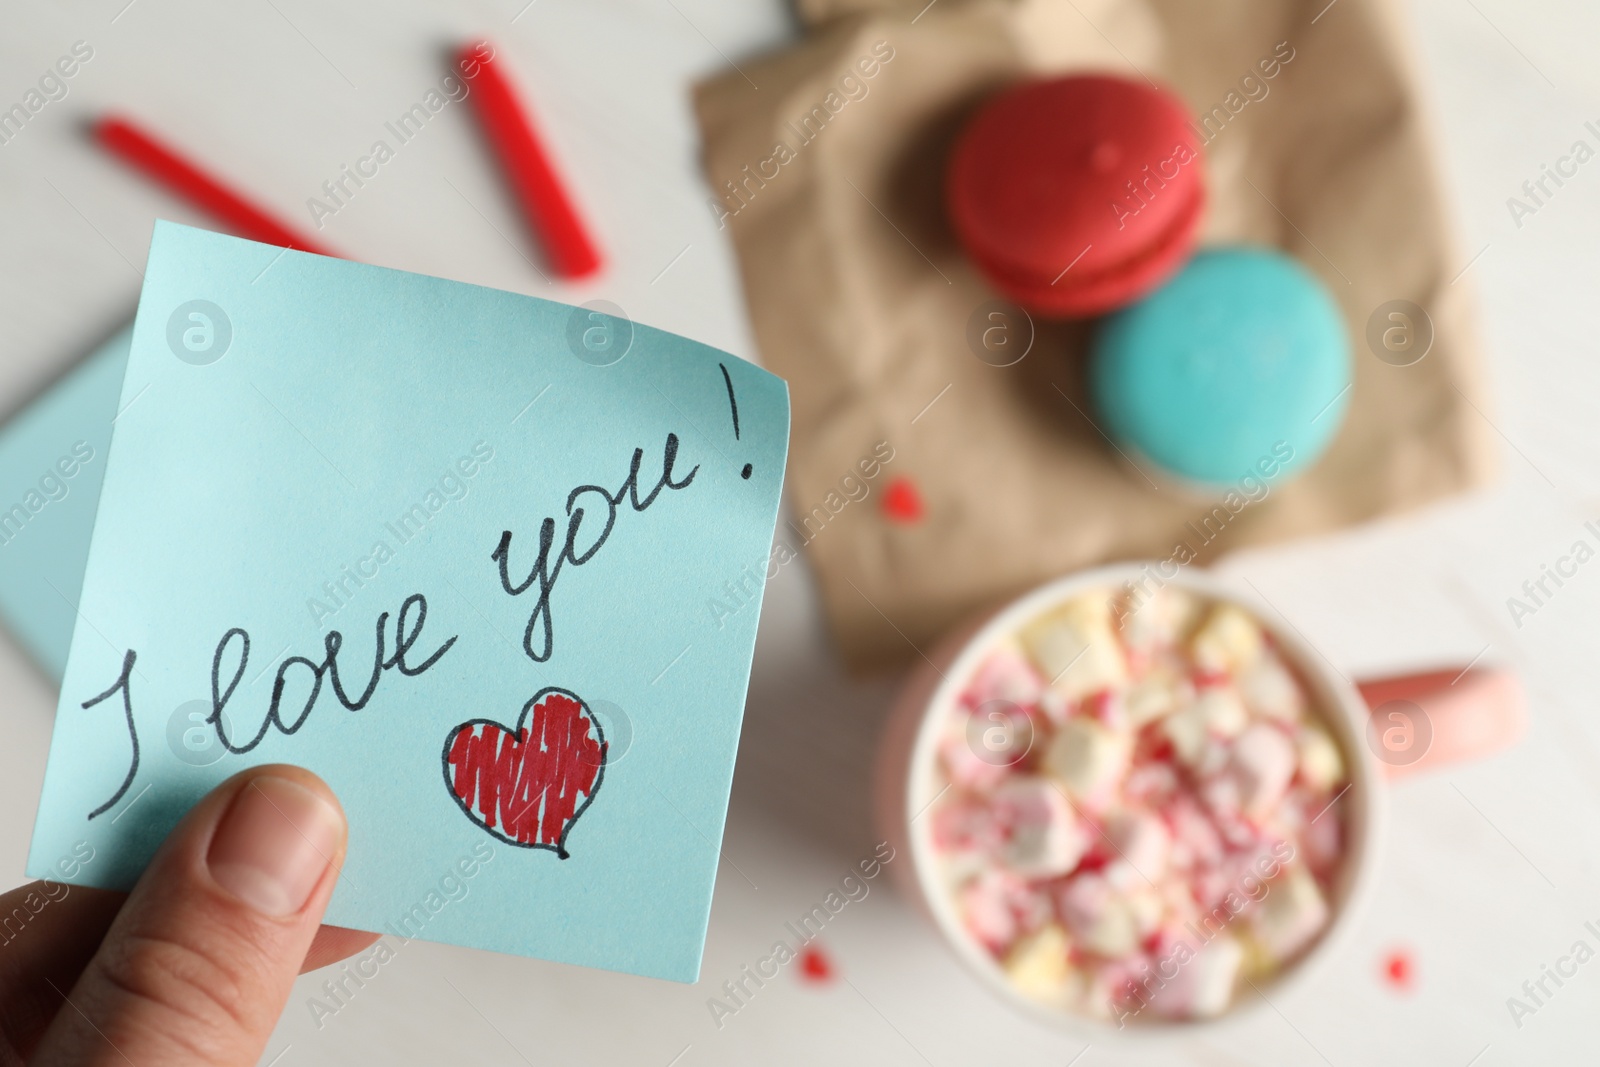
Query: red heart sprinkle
1400, 969
815, 966
902, 501
527, 787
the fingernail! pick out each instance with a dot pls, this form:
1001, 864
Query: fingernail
273, 845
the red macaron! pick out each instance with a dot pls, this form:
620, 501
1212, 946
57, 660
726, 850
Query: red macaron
1077, 195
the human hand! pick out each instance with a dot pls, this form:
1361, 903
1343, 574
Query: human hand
195, 965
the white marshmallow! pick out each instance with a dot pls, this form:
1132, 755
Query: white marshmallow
1142, 840
1263, 763
1037, 965
1148, 909
1156, 619
1271, 690
1088, 758
1216, 711
1186, 729
1224, 713
1076, 649
1098, 916
1229, 640
959, 865
1160, 692
1204, 985
1321, 764
1045, 837
1291, 914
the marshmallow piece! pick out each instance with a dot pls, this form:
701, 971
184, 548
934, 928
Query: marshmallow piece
1291, 914
1160, 692
1108, 708
1204, 985
1045, 837
1150, 783
1155, 620
959, 824
959, 866
1227, 641
1148, 909
965, 836
1076, 649
1142, 840
1323, 842
1217, 711
1214, 757
1195, 839
1005, 675
986, 908
1099, 917
1271, 690
1224, 713
1038, 968
1186, 729
1263, 764
1222, 796
1321, 764
1088, 758
965, 761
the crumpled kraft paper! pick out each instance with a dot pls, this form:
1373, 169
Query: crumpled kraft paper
826, 162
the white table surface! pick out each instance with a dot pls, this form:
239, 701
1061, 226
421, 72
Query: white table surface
1490, 870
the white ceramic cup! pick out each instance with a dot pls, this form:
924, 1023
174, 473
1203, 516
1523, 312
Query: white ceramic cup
1466, 713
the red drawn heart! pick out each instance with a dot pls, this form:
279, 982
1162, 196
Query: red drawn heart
528, 786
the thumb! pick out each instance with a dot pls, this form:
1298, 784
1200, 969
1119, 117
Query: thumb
197, 966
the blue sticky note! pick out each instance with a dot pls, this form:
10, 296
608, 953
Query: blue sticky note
451, 549
52, 459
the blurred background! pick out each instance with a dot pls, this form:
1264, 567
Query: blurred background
1490, 869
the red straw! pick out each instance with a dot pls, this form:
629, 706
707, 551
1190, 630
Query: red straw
510, 129
188, 181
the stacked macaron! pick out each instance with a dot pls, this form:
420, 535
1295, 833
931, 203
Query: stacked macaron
1081, 196
1077, 195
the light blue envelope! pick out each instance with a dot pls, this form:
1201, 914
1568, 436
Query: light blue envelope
520, 509
52, 460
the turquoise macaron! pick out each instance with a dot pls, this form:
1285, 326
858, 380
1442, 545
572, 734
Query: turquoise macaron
1239, 366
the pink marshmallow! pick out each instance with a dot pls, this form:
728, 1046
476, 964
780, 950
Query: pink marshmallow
998, 907
1195, 839
1263, 762
1202, 984
1322, 843
1044, 837
1142, 840
966, 825
1005, 675
1150, 783
1097, 915
967, 769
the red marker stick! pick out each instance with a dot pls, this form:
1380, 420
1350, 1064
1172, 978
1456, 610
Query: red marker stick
157, 161
510, 129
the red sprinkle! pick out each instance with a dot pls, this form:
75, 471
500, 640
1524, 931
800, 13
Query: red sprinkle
902, 501
1399, 969
815, 965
